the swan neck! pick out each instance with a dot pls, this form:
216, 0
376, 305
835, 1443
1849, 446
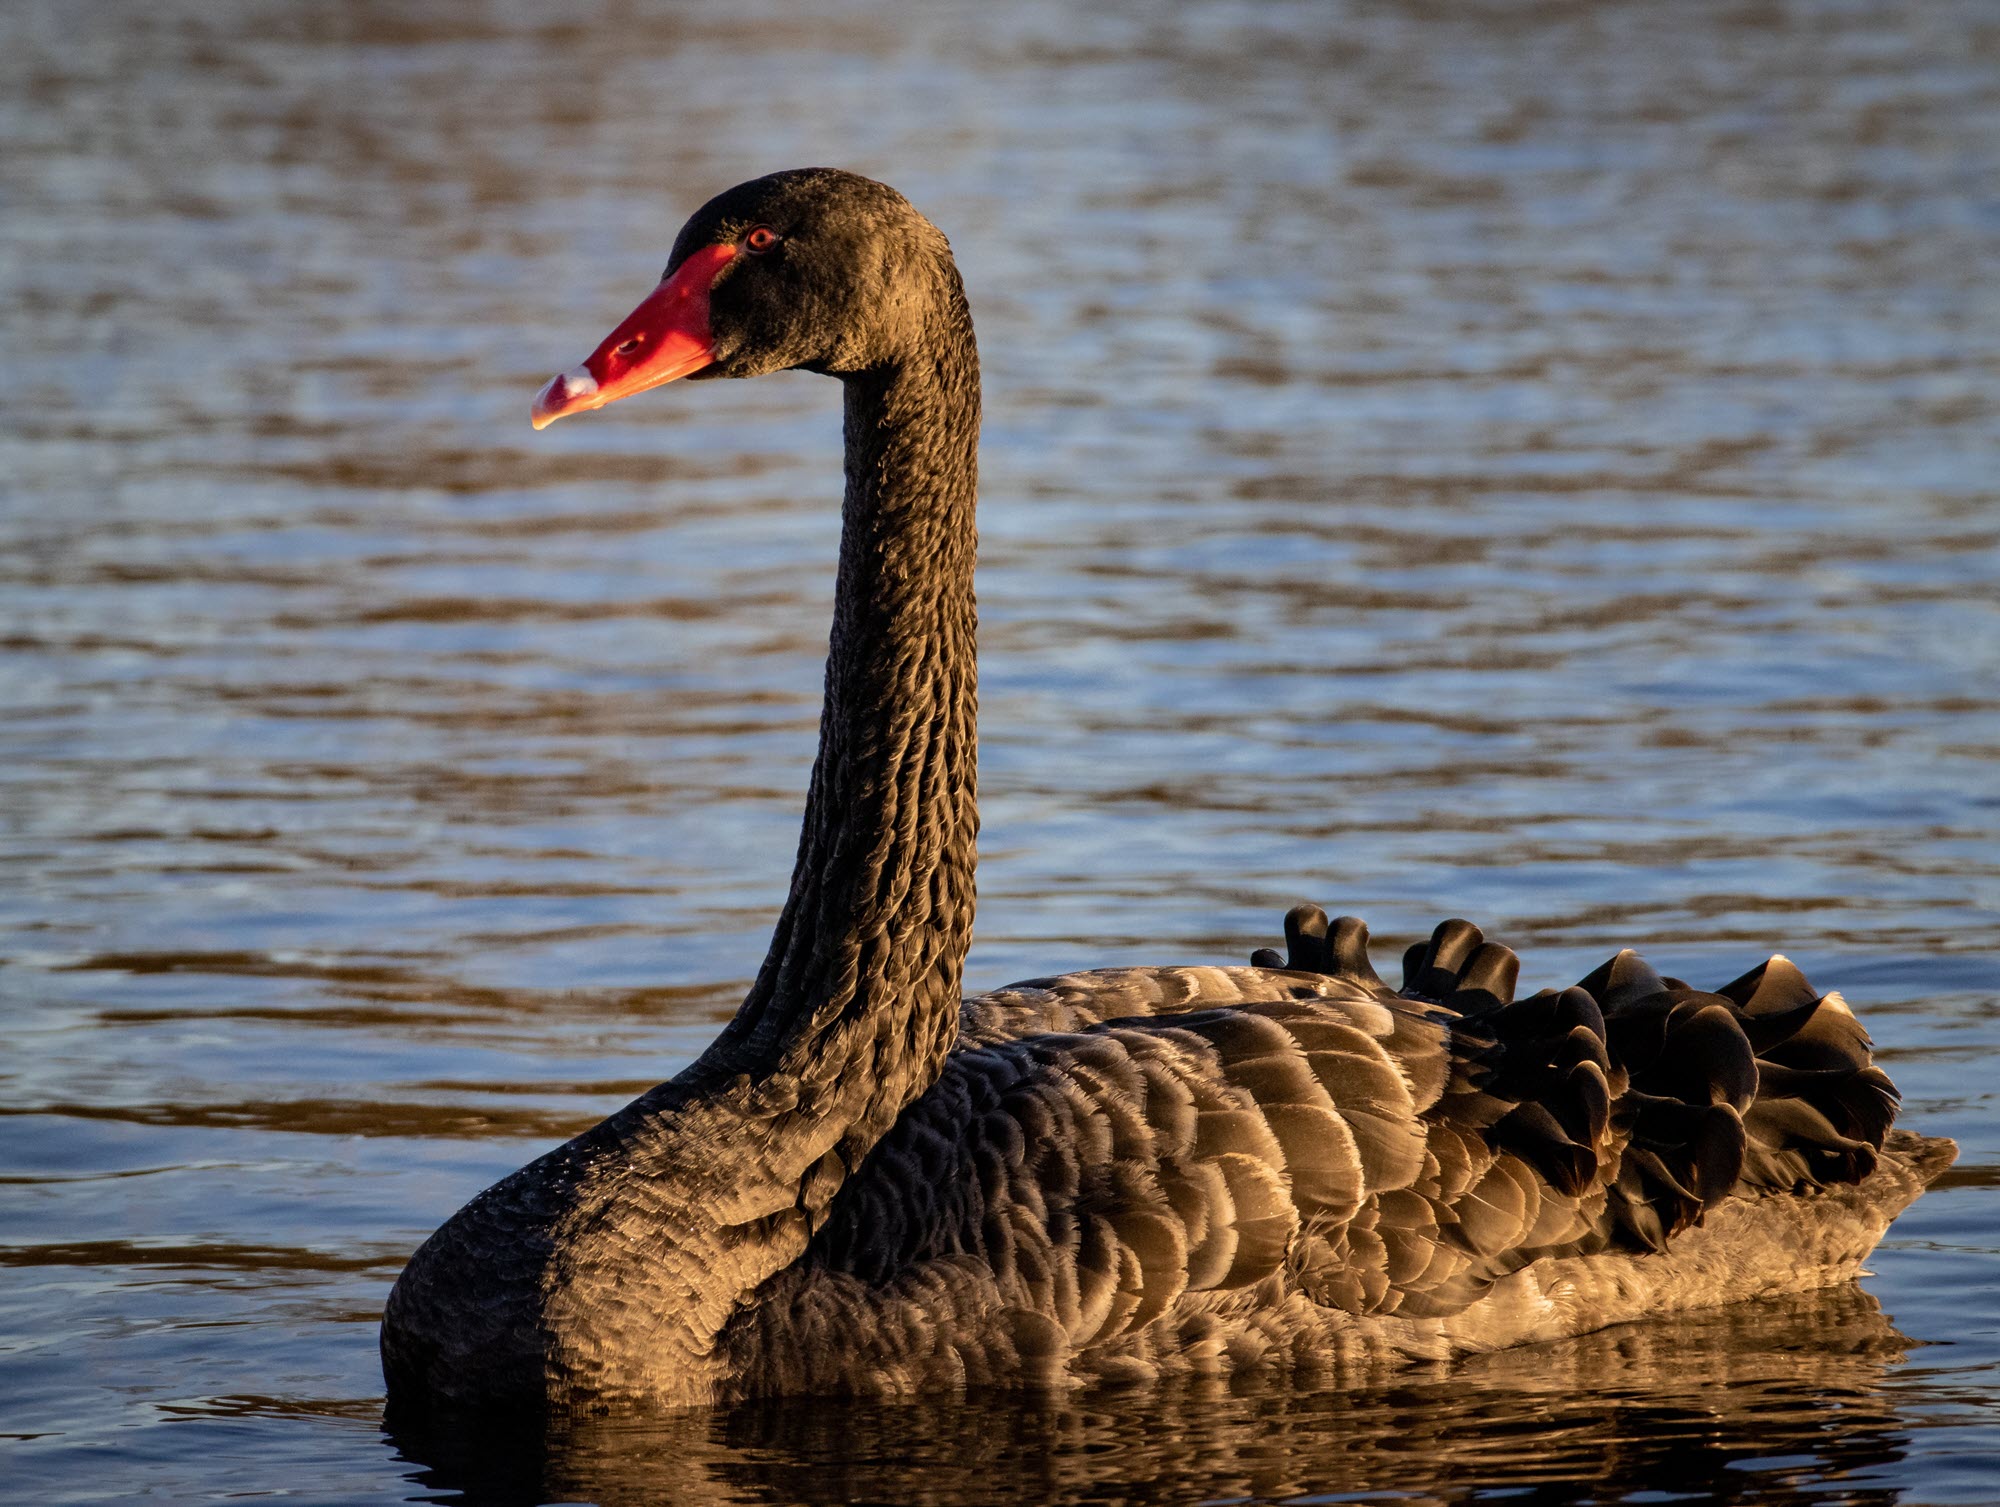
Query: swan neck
857, 1002
627, 1250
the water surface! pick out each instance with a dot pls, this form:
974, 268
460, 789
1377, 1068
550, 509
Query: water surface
1528, 462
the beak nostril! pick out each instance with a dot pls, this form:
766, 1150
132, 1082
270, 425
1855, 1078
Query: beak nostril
628, 347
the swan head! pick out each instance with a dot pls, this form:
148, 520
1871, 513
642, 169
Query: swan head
815, 269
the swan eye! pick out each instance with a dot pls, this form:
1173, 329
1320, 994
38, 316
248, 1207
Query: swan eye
627, 348
759, 239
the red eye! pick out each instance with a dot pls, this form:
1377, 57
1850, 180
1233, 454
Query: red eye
760, 239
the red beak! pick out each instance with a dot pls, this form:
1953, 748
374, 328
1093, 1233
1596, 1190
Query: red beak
666, 337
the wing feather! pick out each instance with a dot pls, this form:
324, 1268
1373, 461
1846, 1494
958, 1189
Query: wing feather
1124, 1150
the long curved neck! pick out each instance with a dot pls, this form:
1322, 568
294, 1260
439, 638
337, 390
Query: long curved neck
639, 1239
857, 1002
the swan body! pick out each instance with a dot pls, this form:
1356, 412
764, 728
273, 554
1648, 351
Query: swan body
871, 1185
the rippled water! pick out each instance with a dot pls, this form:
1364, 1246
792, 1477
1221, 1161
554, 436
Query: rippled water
1534, 462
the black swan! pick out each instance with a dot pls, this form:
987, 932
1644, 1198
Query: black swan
868, 1184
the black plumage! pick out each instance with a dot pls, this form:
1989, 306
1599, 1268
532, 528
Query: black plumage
869, 1184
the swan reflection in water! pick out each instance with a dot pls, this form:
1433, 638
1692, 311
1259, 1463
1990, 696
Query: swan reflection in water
1782, 1399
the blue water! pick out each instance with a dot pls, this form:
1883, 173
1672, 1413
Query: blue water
1528, 462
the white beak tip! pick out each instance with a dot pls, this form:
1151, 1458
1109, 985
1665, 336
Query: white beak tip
563, 394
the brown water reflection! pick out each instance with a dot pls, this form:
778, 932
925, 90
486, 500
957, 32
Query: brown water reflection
1787, 1394
1528, 461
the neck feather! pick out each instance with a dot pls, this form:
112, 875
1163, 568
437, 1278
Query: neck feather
858, 1000
645, 1234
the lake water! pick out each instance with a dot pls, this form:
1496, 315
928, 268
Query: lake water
1536, 462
